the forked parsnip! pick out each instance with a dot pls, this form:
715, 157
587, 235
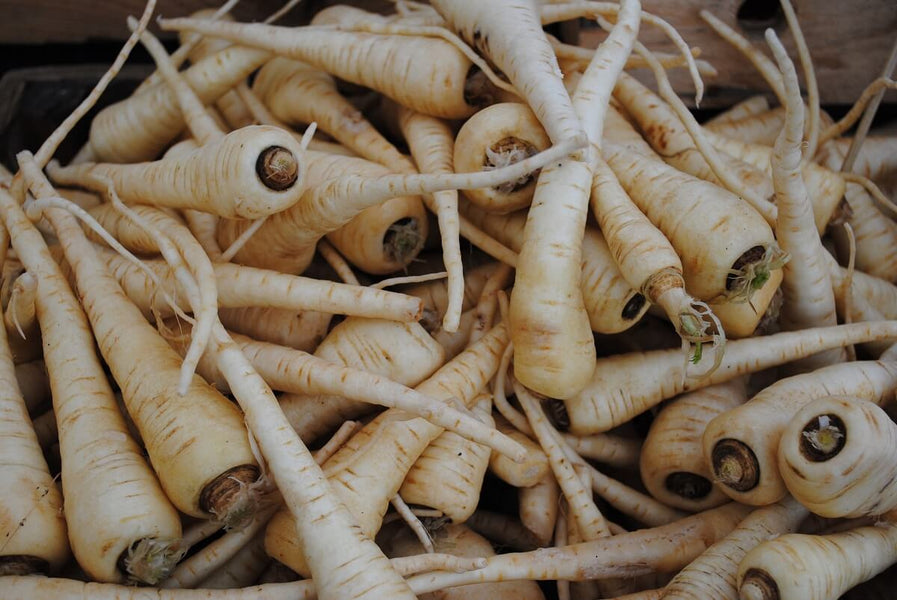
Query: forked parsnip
817, 567
102, 526
712, 575
671, 463
553, 344
808, 299
32, 525
744, 457
836, 454
618, 391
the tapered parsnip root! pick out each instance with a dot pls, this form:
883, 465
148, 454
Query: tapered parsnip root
250, 173
432, 76
712, 576
240, 285
617, 392
808, 300
139, 128
816, 567
554, 351
835, 457
32, 526
430, 142
86, 409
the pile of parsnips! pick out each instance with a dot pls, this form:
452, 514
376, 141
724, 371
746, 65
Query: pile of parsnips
190, 363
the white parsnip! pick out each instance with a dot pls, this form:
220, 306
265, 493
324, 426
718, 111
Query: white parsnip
835, 457
810, 567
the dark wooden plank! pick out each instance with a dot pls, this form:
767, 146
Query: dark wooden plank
848, 41
62, 21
